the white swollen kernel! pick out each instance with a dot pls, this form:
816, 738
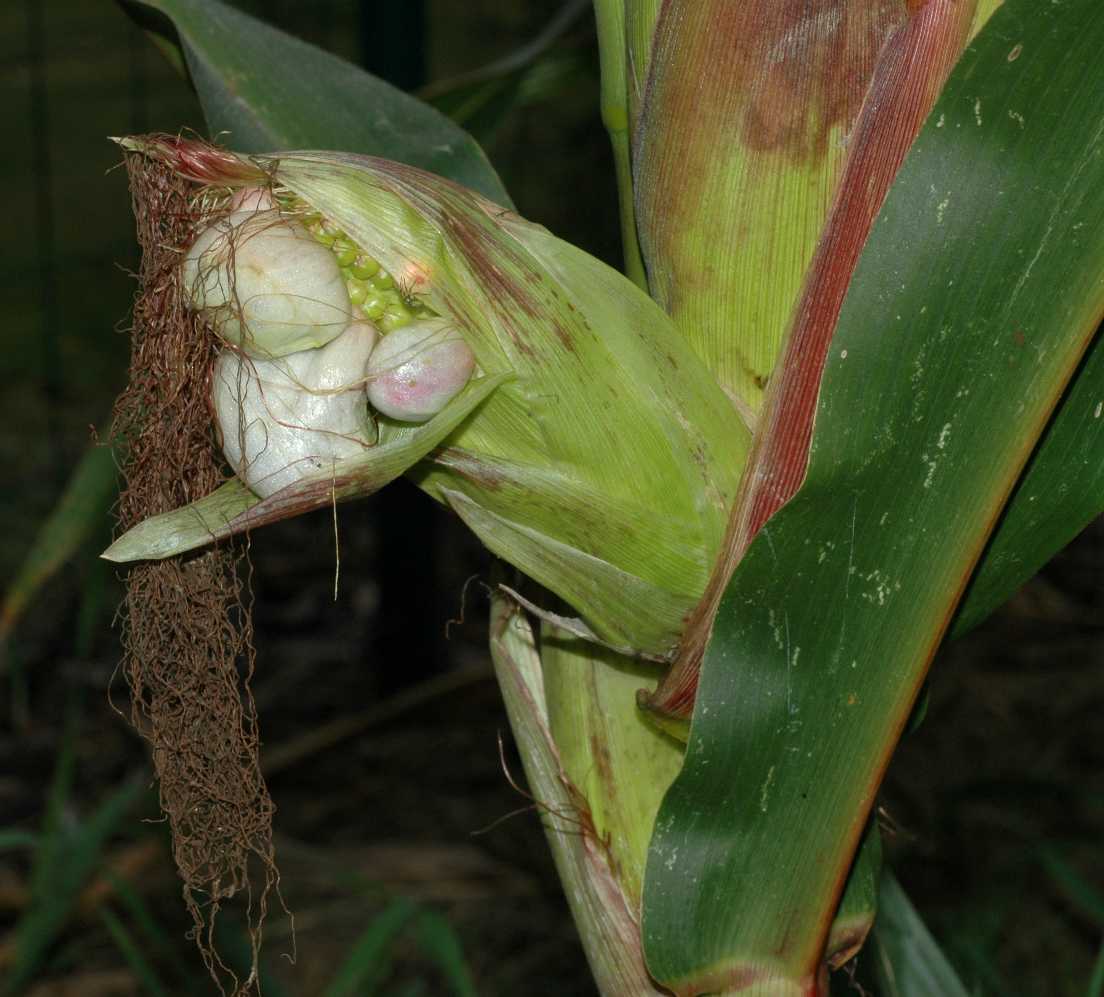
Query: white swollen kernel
266, 285
252, 199
416, 370
282, 420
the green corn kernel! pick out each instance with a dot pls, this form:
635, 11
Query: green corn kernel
395, 318
373, 309
358, 291
384, 280
345, 251
320, 234
365, 267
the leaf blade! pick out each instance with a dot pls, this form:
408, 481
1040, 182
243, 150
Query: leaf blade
273, 92
957, 336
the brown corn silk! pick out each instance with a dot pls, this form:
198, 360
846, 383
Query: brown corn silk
187, 630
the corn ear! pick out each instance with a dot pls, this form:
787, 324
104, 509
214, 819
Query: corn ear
593, 449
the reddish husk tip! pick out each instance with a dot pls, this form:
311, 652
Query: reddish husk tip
195, 159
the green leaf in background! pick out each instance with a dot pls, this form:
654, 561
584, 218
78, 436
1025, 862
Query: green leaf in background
81, 511
369, 960
440, 943
132, 952
539, 70
1087, 897
907, 959
978, 292
366, 967
1096, 983
272, 92
66, 856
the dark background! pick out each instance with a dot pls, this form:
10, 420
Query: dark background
380, 735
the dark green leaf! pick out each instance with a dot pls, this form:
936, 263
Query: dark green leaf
15, 840
480, 100
977, 294
1060, 493
1096, 982
271, 92
1087, 897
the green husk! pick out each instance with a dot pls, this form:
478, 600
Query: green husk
604, 460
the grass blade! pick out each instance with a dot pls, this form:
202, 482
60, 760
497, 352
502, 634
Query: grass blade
132, 953
66, 857
368, 962
440, 942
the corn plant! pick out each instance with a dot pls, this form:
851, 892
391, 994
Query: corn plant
845, 398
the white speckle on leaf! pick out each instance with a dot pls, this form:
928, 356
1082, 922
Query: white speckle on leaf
943, 434
940, 210
932, 465
1017, 117
977, 111
775, 629
766, 790
843, 354
942, 121
1099, 408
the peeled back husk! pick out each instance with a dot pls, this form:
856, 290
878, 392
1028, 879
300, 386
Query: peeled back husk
592, 450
